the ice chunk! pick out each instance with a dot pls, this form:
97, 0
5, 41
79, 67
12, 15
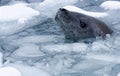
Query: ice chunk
16, 12
9, 71
100, 46
28, 50
37, 39
117, 26
74, 47
111, 5
79, 10
89, 65
29, 70
17, 17
117, 43
11, 27
104, 57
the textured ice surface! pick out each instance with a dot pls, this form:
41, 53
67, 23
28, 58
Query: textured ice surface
5, 2
73, 47
111, 5
32, 43
28, 50
29, 70
19, 17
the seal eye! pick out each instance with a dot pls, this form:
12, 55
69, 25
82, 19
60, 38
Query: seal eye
83, 25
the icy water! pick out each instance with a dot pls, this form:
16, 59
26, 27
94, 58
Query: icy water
35, 45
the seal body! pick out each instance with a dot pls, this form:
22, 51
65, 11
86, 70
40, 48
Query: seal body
77, 26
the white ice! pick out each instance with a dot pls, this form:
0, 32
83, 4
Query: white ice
111, 5
29, 70
79, 10
17, 17
9, 71
16, 12
118, 74
50, 7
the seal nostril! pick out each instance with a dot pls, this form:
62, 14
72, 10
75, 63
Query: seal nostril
62, 9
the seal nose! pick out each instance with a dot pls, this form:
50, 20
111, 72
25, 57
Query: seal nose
62, 9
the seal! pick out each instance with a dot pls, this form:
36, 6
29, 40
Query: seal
77, 26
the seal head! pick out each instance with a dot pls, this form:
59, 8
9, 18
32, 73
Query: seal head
77, 26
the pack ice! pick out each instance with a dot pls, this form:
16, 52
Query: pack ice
31, 43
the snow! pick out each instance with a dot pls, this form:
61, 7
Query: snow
79, 10
9, 71
16, 12
111, 5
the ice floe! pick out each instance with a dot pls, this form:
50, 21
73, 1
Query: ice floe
9, 71
29, 70
16, 12
17, 17
111, 5
28, 50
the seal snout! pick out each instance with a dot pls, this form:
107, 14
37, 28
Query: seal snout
61, 13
